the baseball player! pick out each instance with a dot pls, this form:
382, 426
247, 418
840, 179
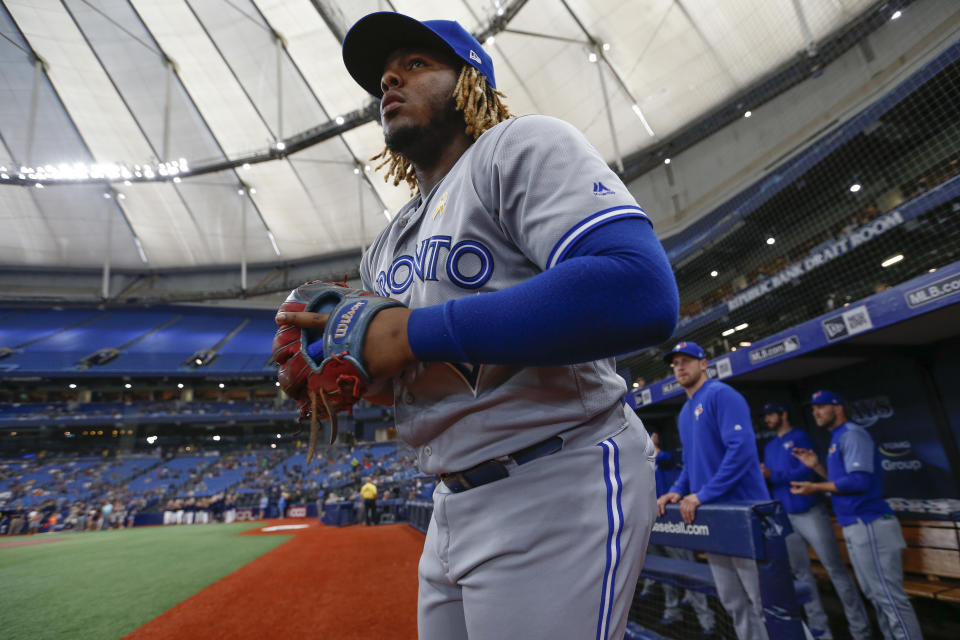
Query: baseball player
523, 265
720, 464
811, 525
871, 531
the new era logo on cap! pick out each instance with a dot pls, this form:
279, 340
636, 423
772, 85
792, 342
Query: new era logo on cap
475, 57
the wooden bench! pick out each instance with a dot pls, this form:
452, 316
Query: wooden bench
931, 561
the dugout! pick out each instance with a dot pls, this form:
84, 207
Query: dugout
893, 356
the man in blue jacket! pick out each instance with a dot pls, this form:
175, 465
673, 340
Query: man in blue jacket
811, 525
720, 464
871, 531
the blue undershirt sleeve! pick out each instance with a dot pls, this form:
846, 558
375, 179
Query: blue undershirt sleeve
856, 482
614, 292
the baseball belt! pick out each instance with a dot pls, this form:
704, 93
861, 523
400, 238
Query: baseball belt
493, 470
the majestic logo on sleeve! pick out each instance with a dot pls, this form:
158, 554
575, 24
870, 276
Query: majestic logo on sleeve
468, 264
599, 189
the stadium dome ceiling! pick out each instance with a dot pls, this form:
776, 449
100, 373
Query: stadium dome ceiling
148, 133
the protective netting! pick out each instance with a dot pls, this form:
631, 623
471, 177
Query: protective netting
871, 204
671, 612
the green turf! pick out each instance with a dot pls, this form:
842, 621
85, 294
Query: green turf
105, 584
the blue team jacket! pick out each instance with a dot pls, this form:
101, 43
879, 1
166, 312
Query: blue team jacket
853, 452
785, 468
720, 461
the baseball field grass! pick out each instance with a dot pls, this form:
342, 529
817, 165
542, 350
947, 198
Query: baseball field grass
105, 584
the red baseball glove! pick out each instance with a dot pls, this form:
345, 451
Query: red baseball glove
322, 369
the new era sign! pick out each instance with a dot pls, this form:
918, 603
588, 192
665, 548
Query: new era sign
848, 323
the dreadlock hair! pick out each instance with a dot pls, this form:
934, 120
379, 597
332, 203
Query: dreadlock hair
482, 108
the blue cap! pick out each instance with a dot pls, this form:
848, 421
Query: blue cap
825, 397
375, 36
773, 407
687, 348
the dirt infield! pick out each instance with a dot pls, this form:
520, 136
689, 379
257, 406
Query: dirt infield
348, 583
26, 541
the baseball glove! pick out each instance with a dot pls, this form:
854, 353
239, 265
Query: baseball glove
323, 370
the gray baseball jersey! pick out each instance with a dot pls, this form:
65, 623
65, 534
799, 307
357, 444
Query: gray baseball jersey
510, 208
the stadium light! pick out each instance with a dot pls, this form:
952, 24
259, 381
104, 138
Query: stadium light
896, 14
892, 260
728, 332
276, 383
489, 41
771, 240
666, 161
592, 57
929, 271
128, 386
179, 385
745, 343
339, 120
278, 436
748, 114
714, 274
221, 385
273, 445
216, 438
72, 385
741, 327
855, 187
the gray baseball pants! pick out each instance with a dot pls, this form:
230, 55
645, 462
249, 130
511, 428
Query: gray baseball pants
552, 551
738, 586
875, 552
814, 528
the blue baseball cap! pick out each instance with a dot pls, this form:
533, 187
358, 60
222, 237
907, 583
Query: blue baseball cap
687, 348
375, 36
773, 407
825, 397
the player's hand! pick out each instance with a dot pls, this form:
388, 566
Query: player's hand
806, 456
766, 472
662, 501
386, 347
688, 507
803, 488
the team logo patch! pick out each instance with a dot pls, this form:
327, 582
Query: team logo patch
599, 189
698, 411
833, 449
475, 57
788, 445
441, 206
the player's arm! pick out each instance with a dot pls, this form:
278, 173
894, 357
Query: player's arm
740, 450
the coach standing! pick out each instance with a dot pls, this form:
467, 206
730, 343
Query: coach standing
871, 531
720, 464
811, 526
